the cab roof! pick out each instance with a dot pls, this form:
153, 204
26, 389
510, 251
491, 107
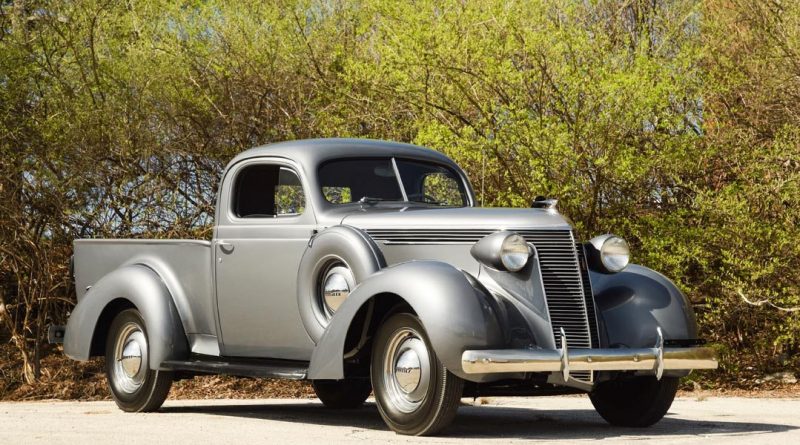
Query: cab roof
312, 152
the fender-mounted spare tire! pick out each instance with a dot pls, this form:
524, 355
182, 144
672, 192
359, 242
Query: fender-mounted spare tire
336, 246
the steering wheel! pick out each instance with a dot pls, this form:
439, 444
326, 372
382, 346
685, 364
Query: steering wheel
426, 198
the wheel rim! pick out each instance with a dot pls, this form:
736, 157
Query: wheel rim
130, 359
406, 372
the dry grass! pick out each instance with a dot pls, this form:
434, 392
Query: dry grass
66, 379
226, 387
61, 378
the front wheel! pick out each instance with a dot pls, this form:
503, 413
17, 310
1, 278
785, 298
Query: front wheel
634, 402
415, 393
134, 386
342, 394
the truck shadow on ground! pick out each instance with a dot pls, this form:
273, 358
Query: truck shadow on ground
494, 421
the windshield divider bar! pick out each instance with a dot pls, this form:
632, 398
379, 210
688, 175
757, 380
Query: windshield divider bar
399, 180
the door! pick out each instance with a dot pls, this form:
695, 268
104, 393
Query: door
260, 238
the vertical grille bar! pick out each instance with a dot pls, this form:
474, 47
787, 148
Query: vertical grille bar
588, 295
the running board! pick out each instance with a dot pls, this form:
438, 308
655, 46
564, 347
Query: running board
274, 369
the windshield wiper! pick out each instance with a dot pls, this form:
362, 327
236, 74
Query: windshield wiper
433, 203
370, 200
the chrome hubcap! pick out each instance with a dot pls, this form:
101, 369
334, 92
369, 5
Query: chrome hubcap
130, 359
406, 370
336, 284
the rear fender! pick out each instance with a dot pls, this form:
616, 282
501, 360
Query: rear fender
455, 315
142, 288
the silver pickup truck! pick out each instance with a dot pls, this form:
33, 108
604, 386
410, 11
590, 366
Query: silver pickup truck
366, 267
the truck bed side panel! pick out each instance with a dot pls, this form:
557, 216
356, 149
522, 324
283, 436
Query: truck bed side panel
184, 265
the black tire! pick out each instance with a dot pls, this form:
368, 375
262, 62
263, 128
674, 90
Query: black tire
152, 388
439, 403
634, 402
342, 394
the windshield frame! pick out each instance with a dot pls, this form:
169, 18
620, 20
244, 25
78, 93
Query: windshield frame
464, 187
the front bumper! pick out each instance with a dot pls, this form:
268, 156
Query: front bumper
656, 359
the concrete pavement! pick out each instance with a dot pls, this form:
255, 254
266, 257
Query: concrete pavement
566, 419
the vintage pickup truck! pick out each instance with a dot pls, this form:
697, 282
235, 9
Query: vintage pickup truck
365, 266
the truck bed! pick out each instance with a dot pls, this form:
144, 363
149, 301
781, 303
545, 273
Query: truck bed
184, 265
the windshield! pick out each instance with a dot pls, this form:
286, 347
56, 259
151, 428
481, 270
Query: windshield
372, 180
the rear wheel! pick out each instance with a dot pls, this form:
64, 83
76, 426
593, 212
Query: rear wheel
634, 402
414, 392
134, 386
342, 394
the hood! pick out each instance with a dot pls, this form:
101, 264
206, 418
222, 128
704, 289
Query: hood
455, 218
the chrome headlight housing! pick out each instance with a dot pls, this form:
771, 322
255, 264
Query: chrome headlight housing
503, 250
514, 252
612, 252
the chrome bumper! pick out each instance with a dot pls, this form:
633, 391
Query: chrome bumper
656, 359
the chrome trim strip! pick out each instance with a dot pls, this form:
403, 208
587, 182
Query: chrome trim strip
448, 236
466, 243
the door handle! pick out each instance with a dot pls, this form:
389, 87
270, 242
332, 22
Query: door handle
225, 247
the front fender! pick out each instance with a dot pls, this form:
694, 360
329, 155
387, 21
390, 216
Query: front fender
631, 304
455, 315
142, 287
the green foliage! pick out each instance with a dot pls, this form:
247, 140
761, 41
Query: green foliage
672, 123
289, 200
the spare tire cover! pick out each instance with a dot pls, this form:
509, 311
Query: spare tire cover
342, 243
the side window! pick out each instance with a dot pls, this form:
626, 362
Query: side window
289, 197
442, 189
267, 191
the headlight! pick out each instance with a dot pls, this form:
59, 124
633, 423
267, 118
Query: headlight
514, 252
502, 251
613, 252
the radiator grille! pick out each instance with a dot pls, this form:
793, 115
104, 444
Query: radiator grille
564, 274
563, 285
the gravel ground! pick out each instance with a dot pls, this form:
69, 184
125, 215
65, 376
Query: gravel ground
567, 419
